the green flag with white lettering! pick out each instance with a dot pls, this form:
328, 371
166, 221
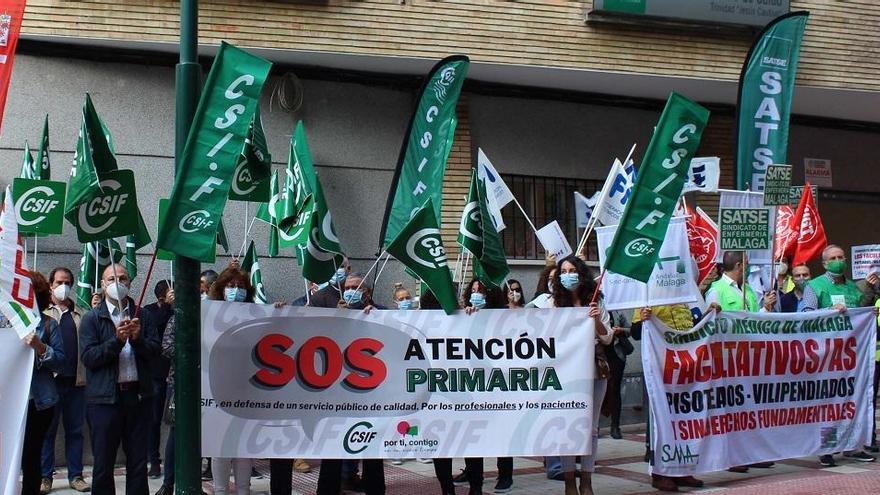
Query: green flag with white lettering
93, 157
27, 163
43, 152
251, 265
419, 247
250, 182
266, 213
480, 238
426, 146
661, 178
766, 89
213, 147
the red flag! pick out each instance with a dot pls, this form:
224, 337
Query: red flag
786, 232
811, 234
702, 238
11, 14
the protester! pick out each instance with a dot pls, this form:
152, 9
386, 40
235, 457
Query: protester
402, 298
793, 300
574, 286
620, 348
49, 358
834, 290
116, 349
206, 280
870, 287
514, 292
544, 299
160, 312
679, 318
70, 383
330, 294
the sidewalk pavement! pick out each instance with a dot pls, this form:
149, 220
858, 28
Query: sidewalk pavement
620, 470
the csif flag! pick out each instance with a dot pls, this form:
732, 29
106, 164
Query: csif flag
251, 265
250, 181
478, 235
426, 146
43, 166
213, 147
766, 89
811, 238
266, 213
28, 168
662, 175
419, 247
17, 300
702, 235
615, 193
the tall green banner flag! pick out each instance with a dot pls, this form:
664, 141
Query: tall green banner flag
661, 178
43, 152
251, 265
250, 182
766, 88
477, 234
266, 213
422, 161
213, 147
419, 247
27, 164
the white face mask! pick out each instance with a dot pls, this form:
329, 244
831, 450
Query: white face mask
62, 292
117, 291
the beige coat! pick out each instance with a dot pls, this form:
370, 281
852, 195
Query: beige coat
55, 313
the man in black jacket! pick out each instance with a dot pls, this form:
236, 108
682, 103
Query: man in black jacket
160, 312
116, 349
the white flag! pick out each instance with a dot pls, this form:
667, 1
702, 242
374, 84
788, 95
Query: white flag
615, 192
672, 281
703, 175
17, 301
584, 208
498, 195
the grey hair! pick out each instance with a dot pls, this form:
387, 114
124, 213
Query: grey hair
364, 284
829, 247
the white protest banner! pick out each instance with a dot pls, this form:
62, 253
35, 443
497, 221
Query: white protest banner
498, 195
703, 175
817, 171
865, 260
17, 301
336, 383
583, 207
672, 281
748, 199
16, 367
615, 193
742, 388
554, 241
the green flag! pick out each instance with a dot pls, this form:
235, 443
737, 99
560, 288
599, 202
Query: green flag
250, 182
131, 263
766, 88
201, 187
480, 237
252, 266
419, 247
661, 178
318, 264
266, 213
92, 158
222, 240
27, 163
422, 160
43, 152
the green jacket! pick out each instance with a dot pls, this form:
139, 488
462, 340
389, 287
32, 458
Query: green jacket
731, 300
824, 289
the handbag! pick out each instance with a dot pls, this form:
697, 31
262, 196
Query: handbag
625, 345
603, 370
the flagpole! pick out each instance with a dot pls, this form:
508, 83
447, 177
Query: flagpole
383, 253
247, 233
36, 236
591, 223
381, 269
97, 267
116, 278
147, 283
308, 295
532, 225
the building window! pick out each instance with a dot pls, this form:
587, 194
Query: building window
544, 199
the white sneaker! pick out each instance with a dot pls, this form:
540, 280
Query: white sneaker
396, 462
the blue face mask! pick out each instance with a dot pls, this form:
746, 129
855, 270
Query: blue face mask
337, 277
234, 294
570, 281
478, 300
405, 304
352, 296
321, 286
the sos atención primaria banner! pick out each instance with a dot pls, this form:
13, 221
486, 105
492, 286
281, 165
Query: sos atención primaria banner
333, 383
742, 388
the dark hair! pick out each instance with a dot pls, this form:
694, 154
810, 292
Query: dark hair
215, 293
41, 291
495, 298
161, 289
210, 277
61, 269
731, 258
543, 279
562, 297
506, 289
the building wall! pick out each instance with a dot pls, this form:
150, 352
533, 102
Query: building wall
838, 50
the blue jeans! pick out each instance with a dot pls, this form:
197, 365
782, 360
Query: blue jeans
553, 466
72, 405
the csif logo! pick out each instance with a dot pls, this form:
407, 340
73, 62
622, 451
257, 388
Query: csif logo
641, 246
195, 220
35, 205
242, 181
447, 77
358, 438
471, 214
426, 249
104, 210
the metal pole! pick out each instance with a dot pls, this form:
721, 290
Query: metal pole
187, 313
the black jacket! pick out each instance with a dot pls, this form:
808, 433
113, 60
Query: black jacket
159, 315
99, 350
788, 302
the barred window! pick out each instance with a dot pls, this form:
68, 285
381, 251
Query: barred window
544, 199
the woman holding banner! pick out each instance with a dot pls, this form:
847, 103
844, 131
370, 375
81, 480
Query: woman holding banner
573, 286
48, 359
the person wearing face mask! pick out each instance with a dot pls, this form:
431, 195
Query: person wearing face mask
833, 290
206, 280
870, 287
544, 291
49, 358
116, 348
402, 298
574, 286
793, 300
70, 381
330, 292
514, 292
